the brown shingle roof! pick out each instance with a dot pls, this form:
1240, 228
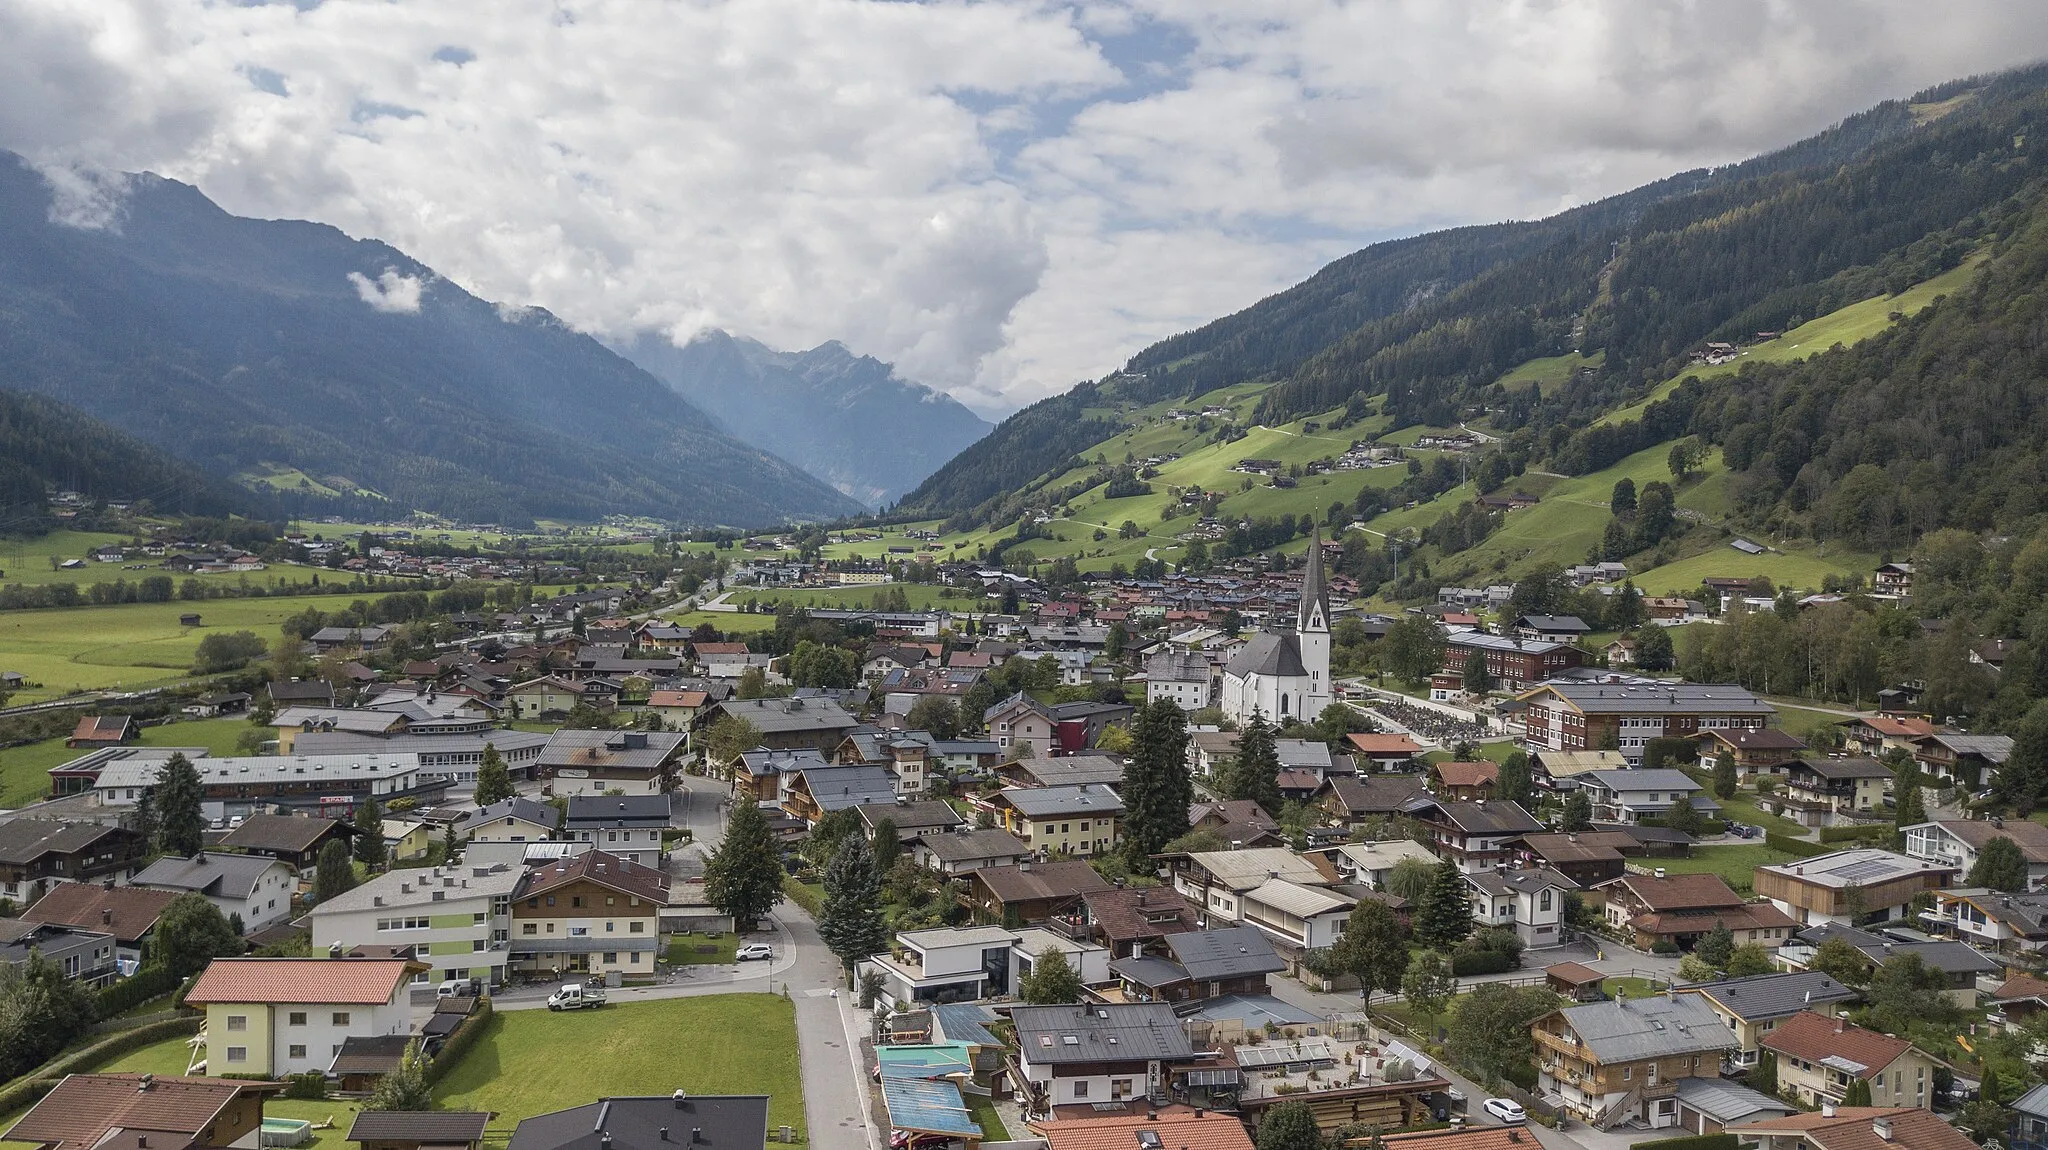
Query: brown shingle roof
290, 833
126, 912
1372, 744
85, 1108
1472, 774
1681, 891
1569, 848
1812, 1037
1209, 1132
357, 981
2030, 837
1043, 880
1748, 916
1146, 912
606, 870
2020, 986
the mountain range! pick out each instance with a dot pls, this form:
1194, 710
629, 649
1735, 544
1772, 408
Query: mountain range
277, 347
847, 419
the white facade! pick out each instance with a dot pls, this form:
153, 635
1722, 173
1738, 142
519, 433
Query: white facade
457, 920
967, 963
1286, 677
295, 1038
641, 844
1932, 842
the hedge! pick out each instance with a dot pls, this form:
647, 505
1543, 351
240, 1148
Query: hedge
131, 992
1797, 848
803, 896
1690, 1142
1872, 831
1481, 962
31, 1086
459, 1042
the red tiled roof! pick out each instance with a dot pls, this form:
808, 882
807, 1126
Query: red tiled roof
721, 649
1849, 1128
85, 1108
1468, 774
1748, 916
2020, 986
1470, 1138
677, 698
126, 912
1812, 1037
606, 870
356, 981
1209, 1132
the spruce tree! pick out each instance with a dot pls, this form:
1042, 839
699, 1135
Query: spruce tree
1725, 779
1255, 773
1717, 946
369, 833
493, 781
1444, 916
1515, 784
743, 877
181, 827
2001, 866
405, 1087
1910, 807
1578, 811
1157, 788
334, 873
1477, 679
852, 925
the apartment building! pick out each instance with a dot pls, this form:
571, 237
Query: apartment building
456, 919
595, 913
1585, 716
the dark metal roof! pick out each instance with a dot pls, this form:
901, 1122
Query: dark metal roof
1114, 1032
708, 1122
1232, 952
1766, 996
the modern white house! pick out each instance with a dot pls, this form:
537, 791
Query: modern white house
276, 1016
457, 919
255, 889
1098, 1053
1956, 842
962, 964
1528, 902
1633, 795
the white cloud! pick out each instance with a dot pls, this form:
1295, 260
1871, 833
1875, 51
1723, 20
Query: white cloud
391, 291
1003, 197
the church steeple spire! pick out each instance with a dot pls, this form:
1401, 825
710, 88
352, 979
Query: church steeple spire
1313, 616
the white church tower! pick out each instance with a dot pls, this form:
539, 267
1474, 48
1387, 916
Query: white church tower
1286, 675
1312, 632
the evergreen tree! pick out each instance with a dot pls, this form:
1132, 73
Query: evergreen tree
1748, 959
852, 925
1683, 816
493, 781
1157, 787
743, 877
1516, 784
1764, 1077
1255, 772
334, 873
1444, 916
935, 714
181, 826
1725, 780
2000, 866
1478, 680
1051, 981
405, 1087
1289, 1126
143, 820
1857, 1093
1372, 948
1910, 807
888, 845
1717, 946
369, 823
1578, 811
1654, 651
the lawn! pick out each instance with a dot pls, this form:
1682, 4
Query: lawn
1736, 864
1633, 987
1743, 809
532, 1061
684, 949
24, 770
1494, 752
984, 1112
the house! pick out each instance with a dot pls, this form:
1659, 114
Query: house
1631, 796
1587, 858
1214, 880
1712, 1105
1370, 863
629, 826
1969, 761
1819, 1056
1064, 820
678, 710
1464, 782
1680, 908
594, 913
84, 955
1349, 800
1565, 628
369, 637
456, 919
1582, 716
1832, 792
1622, 1061
1515, 663
1894, 579
764, 776
331, 786
1873, 735
127, 913
293, 839
1473, 834
254, 890
1854, 1128
699, 1121
1560, 771
1960, 964
811, 793
1753, 1007
797, 722
1955, 843
1756, 750
513, 820
1181, 677
911, 820
962, 850
277, 1016
2017, 1000
103, 731
1383, 752
1022, 722
2003, 923
1240, 822
419, 1129
1102, 1053
106, 1111
593, 762
1128, 920
1849, 886
963, 964
1299, 916
1196, 1130
1190, 966
301, 693
1067, 771
1029, 892
1528, 902
2029, 1127
37, 854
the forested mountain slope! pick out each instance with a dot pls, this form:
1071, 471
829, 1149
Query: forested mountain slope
237, 343
46, 445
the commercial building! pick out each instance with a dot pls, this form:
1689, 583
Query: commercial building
1584, 716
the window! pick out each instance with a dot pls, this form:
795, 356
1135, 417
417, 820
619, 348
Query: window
1627, 1072
296, 1018
477, 919
636, 956
238, 1022
575, 900
341, 1018
611, 956
526, 928
1081, 1089
238, 1054
1544, 904
295, 1051
610, 901
636, 927
476, 944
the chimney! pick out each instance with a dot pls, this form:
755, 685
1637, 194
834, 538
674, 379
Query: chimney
1827, 1109
1841, 1021
1882, 1127
106, 916
664, 1134
145, 1082
696, 1135
679, 1098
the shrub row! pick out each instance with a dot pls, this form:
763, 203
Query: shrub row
458, 1044
1797, 848
1481, 962
803, 896
31, 1086
1875, 832
129, 993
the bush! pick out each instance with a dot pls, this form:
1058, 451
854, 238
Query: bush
131, 992
23, 1091
1797, 848
1481, 962
1689, 1142
1663, 946
804, 897
310, 1086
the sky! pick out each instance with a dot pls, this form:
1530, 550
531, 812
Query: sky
1002, 197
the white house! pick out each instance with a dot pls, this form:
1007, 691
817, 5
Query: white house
1956, 842
629, 826
1528, 902
1371, 863
962, 964
1180, 677
1098, 1053
278, 1016
514, 820
457, 919
1630, 796
255, 888
1298, 916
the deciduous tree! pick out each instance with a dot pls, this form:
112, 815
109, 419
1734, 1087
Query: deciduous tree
1051, 981
1372, 948
192, 932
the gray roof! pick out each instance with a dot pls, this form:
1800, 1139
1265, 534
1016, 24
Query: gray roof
221, 875
23, 841
1070, 769
1149, 971
762, 762
974, 846
1267, 653
1047, 802
1499, 883
1855, 768
911, 817
1630, 1029
1568, 623
717, 1122
784, 716
966, 1022
1307, 753
417, 886
1254, 1010
1641, 780
540, 814
1949, 957
1727, 1103
1231, 952
1662, 698
588, 811
1499, 817
844, 787
342, 742
611, 750
1766, 996
430, 1127
1111, 1032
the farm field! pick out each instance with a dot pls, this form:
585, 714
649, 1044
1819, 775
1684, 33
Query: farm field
27, 561
24, 770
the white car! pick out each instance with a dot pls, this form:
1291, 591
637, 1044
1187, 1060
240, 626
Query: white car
753, 950
1507, 1110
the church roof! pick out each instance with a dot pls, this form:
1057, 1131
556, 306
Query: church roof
1268, 654
1315, 590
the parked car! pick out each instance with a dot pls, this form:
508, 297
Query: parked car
576, 996
753, 950
1507, 1110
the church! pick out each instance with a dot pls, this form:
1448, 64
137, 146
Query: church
1286, 675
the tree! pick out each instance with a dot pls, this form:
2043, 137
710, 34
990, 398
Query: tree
1490, 1028
1289, 1126
1372, 948
1478, 680
1764, 1077
1409, 878
1255, 771
728, 739
41, 1012
753, 684
852, 925
493, 781
888, 845
181, 825
1841, 962
1684, 456
1725, 780
1157, 787
369, 824
1857, 1093
1051, 981
936, 714
227, 651
192, 932
1749, 959
1114, 741
1428, 984
1717, 946
1623, 500
1443, 917
743, 877
405, 1086
1578, 811
975, 704
1515, 784
143, 820
1683, 816
1653, 650
334, 873
1910, 807
2000, 866
1414, 648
